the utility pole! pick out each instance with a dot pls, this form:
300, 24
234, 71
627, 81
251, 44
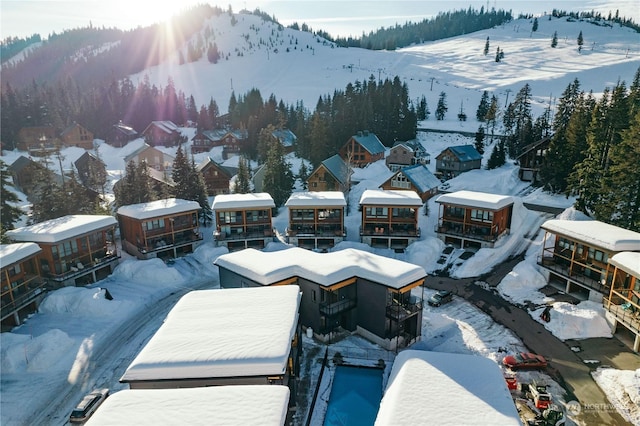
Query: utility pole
432, 78
506, 102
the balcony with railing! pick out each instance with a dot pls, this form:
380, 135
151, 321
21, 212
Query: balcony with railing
164, 240
625, 311
469, 231
402, 310
588, 276
239, 233
386, 230
21, 293
70, 267
330, 309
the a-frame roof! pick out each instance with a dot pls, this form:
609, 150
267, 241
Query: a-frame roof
369, 142
337, 168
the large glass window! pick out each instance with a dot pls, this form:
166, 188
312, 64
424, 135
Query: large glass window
482, 215
302, 214
454, 211
400, 181
154, 224
403, 212
65, 249
373, 212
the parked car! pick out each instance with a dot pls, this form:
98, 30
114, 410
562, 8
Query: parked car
88, 405
440, 297
524, 360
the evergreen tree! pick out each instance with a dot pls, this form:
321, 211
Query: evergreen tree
486, 47
49, 199
199, 194
491, 117
97, 176
480, 140
265, 139
181, 175
242, 184
498, 55
422, 110
580, 42
303, 175
278, 178
320, 140
534, 28
135, 186
498, 156
554, 39
522, 122
9, 213
483, 106
441, 109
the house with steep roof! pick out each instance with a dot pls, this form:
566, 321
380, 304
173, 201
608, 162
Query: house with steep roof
162, 133
152, 156
623, 300
205, 140
531, 158
575, 254
236, 336
454, 160
233, 142
473, 219
362, 148
120, 134
216, 176
76, 249
404, 154
345, 291
38, 140
316, 219
286, 138
389, 218
24, 172
333, 174
22, 285
92, 171
166, 228
243, 220
416, 178
76, 135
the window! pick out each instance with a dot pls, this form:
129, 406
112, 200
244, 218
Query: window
400, 181
313, 295
154, 224
598, 255
302, 214
230, 217
14, 270
65, 249
454, 211
372, 212
482, 215
403, 212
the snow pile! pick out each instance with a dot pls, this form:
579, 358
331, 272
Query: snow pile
79, 301
521, 285
152, 271
425, 253
622, 388
22, 353
581, 321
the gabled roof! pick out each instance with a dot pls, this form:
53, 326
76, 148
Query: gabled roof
239, 134
528, 148
464, 153
403, 145
124, 129
20, 163
208, 162
370, 142
69, 129
420, 176
85, 158
142, 149
338, 168
212, 135
160, 176
166, 126
285, 136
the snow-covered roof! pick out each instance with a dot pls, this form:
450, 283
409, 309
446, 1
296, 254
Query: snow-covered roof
481, 200
164, 125
628, 261
338, 168
464, 153
596, 233
316, 198
421, 177
395, 198
243, 201
215, 406
13, 253
62, 228
157, 208
325, 269
446, 389
370, 142
286, 137
222, 333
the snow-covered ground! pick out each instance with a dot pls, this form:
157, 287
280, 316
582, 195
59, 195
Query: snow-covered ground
79, 340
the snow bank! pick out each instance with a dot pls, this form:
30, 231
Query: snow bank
622, 388
79, 301
425, 253
581, 321
522, 285
22, 353
152, 271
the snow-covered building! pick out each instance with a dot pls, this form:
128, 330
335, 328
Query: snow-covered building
76, 249
389, 218
243, 220
211, 406
362, 148
473, 219
163, 228
316, 219
454, 160
22, 285
415, 178
163, 132
347, 290
575, 253
403, 154
333, 174
152, 156
426, 388
623, 302
242, 336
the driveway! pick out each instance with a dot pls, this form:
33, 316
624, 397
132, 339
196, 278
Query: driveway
566, 366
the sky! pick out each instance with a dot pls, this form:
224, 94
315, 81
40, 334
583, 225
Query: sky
79, 340
22, 18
